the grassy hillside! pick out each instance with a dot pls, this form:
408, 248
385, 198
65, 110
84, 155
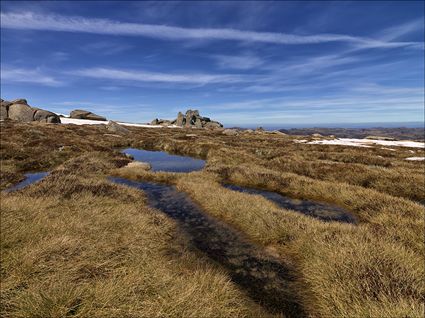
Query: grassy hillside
77, 245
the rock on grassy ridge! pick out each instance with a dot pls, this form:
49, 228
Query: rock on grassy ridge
19, 110
191, 118
85, 114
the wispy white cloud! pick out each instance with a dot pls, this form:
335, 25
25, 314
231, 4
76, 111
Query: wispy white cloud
384, 107
105, 48
59, 56
239, 62
401, 30
50, 22
33, 76
145, 76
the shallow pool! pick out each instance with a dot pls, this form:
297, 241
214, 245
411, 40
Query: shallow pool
319, 210
30, 178
163, 161
263, 277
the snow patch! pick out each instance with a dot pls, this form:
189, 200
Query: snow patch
65, 120
75, 121
416, 158
367, 142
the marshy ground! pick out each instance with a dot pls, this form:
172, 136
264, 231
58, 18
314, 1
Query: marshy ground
77, 244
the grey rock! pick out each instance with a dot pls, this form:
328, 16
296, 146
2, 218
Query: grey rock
21, 112
95, 117
198, 123
164, 122
194, 112
230, 132
84, 114
4, 109
180, 120
45, 116
20, 101
191, 118
213, 125
5, 103
3, 112
117, 128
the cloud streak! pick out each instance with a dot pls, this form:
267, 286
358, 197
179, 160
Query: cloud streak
278, 111
50, 22
242, 62
33, 76
145, 76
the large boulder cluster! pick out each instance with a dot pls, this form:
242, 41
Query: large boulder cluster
191, 119
85, 114
19, 110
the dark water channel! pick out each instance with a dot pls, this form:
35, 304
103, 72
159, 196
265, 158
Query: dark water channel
163, 161
266, 280
30, 178
322, 211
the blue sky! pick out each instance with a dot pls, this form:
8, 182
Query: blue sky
242, 63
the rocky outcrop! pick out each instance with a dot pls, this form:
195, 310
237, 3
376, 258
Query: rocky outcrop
85, 114
116, 128
45, 116
191, 119
180, 121
230, 132
139, 165
162, 122
19, 110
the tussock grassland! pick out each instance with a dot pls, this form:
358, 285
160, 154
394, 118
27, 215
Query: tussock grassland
76, 245
373, 269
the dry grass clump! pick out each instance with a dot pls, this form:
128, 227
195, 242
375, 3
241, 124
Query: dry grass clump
27, 147
398, 218
397, 181
101, 252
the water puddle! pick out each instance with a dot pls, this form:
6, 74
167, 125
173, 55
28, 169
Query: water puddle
322, 211
162, 161
30, 178
264, 278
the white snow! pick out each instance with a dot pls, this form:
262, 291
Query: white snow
66, 120
416, 158
390, 149
368, 142
342, 142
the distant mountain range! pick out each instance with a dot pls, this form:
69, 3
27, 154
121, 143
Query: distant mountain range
402, 133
